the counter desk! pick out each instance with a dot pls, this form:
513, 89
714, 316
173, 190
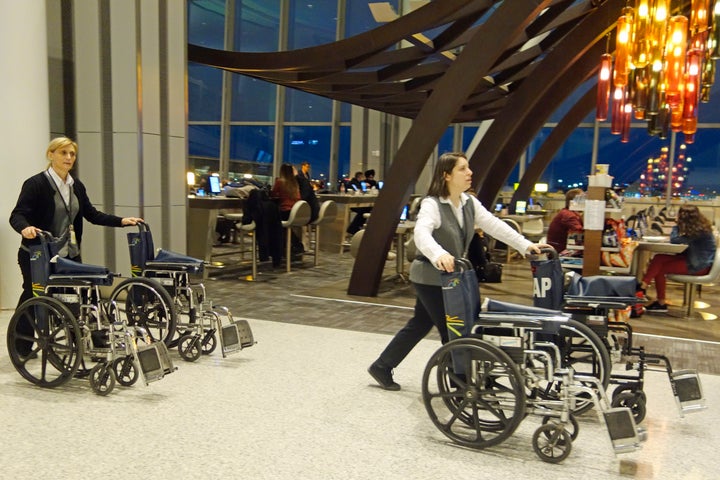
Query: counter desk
335, 233
202, 219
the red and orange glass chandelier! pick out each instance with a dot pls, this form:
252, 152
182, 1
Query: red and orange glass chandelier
664, 66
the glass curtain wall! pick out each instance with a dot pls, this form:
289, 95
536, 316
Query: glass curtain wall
255, 124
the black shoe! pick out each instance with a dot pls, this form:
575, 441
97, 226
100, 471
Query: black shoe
383, 376
657, 307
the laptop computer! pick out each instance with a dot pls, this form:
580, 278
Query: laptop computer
404, 214
214, 183
520, 207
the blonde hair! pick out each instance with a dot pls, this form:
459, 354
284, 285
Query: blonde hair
60, 142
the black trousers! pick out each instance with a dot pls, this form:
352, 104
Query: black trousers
358, 220
23, 326
296, 244
429, 312
23, 259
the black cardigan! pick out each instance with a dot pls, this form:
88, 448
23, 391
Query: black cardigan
36, 207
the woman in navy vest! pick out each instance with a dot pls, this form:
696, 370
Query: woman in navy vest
445, 226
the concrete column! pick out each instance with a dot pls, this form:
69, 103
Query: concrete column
24, 121
131, 120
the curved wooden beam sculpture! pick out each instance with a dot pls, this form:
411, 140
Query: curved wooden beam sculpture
529, 107
452, 90
376, 70
555, 140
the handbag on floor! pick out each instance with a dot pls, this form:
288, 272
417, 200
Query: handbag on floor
486, 270
491, 272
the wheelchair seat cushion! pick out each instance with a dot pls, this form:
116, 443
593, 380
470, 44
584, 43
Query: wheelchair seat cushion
602, 286
491, 305
166, 256
167, 260
64, 266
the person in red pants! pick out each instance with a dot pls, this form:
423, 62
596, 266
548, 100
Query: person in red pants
695, 230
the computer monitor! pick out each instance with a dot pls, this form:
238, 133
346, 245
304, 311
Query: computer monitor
214, 183
364, 186
498, 207
520, 207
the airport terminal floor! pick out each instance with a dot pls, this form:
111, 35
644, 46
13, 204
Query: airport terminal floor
300, 404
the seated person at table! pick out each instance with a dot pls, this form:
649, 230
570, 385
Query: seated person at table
693, 229
359, 219
307, 193
355, 183
564, 222
286, 192
370, 179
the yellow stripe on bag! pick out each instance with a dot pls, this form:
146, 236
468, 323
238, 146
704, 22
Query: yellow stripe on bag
453, 321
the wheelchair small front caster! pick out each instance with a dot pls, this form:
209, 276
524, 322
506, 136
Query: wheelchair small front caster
572, 427
552, 443
209, 342
125, 371
102, 379
189, 347
635, 401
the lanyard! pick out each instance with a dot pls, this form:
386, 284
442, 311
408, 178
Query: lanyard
67, 205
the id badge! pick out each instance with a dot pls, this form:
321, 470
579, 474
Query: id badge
73, 239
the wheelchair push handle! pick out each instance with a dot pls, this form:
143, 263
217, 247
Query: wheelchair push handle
46, 237
143, 226
462, 264
548, 253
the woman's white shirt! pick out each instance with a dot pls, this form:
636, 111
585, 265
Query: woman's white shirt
63, 187
429, 220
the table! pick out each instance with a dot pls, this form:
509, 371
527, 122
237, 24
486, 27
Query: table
202, 219
521, 218
349, 201
645, 248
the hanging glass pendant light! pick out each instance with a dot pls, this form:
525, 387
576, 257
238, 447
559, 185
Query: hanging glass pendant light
664, 66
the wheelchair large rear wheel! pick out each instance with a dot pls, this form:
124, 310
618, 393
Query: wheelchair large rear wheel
44, 342
144, 302
584, 351
473, 393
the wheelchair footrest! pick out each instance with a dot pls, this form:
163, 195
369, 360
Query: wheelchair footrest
230, 339
688, 391
246, 335
623, 431
235, 336
155, 362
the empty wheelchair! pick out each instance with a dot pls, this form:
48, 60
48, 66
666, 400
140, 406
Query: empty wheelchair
478, 388
593, 300
508, 361
71, 329
200, 323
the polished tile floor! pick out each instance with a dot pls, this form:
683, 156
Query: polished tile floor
300, 404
